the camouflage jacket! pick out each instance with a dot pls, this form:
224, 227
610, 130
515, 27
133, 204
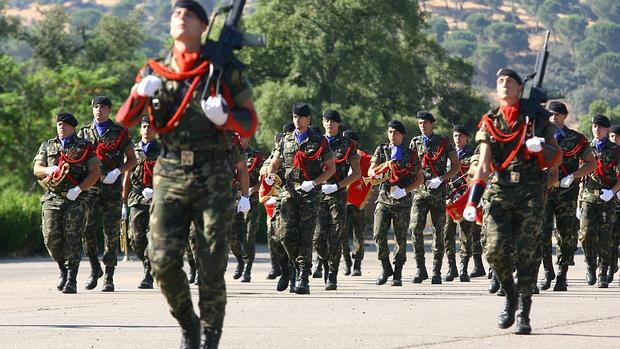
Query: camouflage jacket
109, 147
434, 156
344, 152
255, 161
313, 146
142, 174
460, 179
575, 148
606, 173
409, 161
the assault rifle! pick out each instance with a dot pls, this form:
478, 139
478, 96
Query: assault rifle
533, 94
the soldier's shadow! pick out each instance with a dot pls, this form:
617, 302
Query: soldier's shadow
574, 335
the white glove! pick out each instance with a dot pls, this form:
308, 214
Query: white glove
398, 193
244, 204
618, 195
434, 183
607, 195
51, 169
307, 186
73, 193
147, 193
148, 86
329, 188
535, 144
470, 213
124, 212
578, 213
269, 181
112, 176
371, 172
215, 109
567, 181
271, 201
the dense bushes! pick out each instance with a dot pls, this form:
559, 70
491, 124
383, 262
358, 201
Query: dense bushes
20, 224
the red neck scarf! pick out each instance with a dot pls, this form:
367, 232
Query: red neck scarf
511, 113
185, 60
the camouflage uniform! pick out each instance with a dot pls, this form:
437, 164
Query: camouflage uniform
333, 207
191, 182
63, 219
110, 149
298, 208
597, 216
434, 155
355, 227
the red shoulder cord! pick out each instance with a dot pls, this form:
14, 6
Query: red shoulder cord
428, 160
502, 137
601, 168
345, 156
102, 149
396, 172
300, 156
65, 159
255, 162
147, 173
570, 153
457, 190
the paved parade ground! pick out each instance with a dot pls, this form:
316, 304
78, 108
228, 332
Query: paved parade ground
33, 314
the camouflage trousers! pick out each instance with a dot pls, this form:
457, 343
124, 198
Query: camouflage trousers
561, 204
469, 238
192, 246
355, 228
273, 236
513, 227
104, 200
243, 231
398, 216
62, 225
183, 195
597, 221
139, 228
615, 237
435, 203
332, 219
298, 216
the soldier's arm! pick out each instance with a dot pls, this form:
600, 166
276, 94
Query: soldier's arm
455, 166
126, 185
484, 164
94, 172
588, 166
328, 171
554, 176
39, 168
243, 176
356, 173
419, 179
274, 165
131, 160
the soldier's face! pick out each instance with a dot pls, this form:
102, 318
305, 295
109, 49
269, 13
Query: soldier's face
330, 126
426, 127
185, 25
459, 139
558, 119
64, 130
301, 122
146, 131
508, 89
599, 132
395, 137
101, 112
614, 138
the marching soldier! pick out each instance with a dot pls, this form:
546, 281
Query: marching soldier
308, 162
69, 166
614, 136
358, 194
333, 197
434, 152
194, 171
516, 199
114, 149
597, 207
562, 198
138, 186
399, 171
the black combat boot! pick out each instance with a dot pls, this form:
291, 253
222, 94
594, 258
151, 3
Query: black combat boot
95, 273
591, 272
284, 278
303, 285
62, 279
523, 318
331, 283
357, 268
421, 273
190, 329
387, 272
478, 267
507, 316
239, 268
191, 278
452, 271
494, 285
293, 279
464, 276
318, 272
613, 267
490, 274
275, 270
147, 281
545, 283
602, 276
247, 272
398, 275
211, 338
347, 264
436, 279
71, 284
560, 281
326, 270
108, 280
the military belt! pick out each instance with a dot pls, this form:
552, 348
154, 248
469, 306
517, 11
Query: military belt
515, 177
191, 158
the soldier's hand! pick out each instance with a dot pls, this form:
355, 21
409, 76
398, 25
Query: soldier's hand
606, 195
148, 86
535, 144
578, 213
73, 193
244, 204
398, 193
307, 186
434, 183
112, 176
50, 170
470, 213
269, 181
215, 109
124, 212
147, 193
618, 195
567, 181
371, 172
329, 188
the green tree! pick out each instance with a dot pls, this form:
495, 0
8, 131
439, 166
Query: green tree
587, 50
463, 48
488, 59
438, 26
571, 28
477, 22
606, 9
507, 36
548, 12
605, 70
606, 33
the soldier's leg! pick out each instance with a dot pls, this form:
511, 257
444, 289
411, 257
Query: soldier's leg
499, 223
437, 208
191, 253
337, 222
72, 221
527, 238
449, 232
348, 231
251, 223
605, 227
465, 251
359, 229
566, 232
546, 248
321, 231
51, 224
89, 235
289, 226
590, 218
111, 205
476, 250
139, 224
237, 232
400, 222
274, 259
419, 211
382, 220
307, 223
